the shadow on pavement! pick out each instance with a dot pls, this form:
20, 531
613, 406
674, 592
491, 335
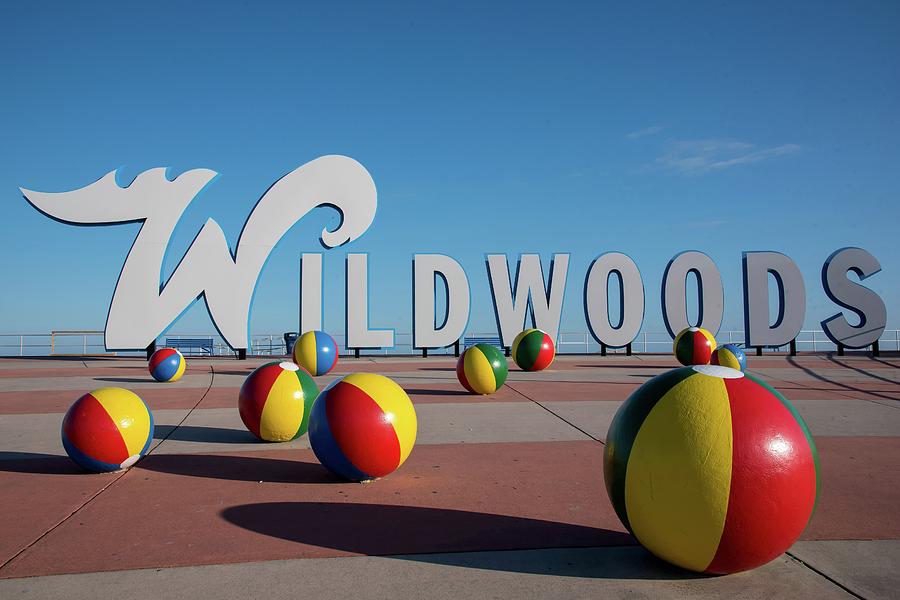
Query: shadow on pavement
884, 362
199, 433
846, 365
239, 468
428, 534
845, 386
633, 562
39, 464
431, 392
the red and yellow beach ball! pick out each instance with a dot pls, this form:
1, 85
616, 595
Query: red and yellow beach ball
533, 350
275, 401
482, 369
694, 346
711, 469
363, 426
107, 430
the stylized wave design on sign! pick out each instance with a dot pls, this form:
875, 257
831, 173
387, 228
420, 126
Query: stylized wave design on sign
143, 306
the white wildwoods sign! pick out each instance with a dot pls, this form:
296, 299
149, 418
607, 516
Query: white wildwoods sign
143, 306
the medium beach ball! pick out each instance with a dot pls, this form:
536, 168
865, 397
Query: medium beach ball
275, 401
167, 364
729, 355
533, 350
482, 369
316, 352
107, 430
363, 426
711, 469
694, 346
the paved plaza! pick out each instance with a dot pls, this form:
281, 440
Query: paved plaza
503, 495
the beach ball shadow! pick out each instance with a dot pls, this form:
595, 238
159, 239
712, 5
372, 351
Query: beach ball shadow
42, 464
204, 434
239, 468
439, 535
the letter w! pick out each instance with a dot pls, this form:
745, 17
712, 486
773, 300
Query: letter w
143, 306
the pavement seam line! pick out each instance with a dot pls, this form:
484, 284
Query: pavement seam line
63, 520
825, 576
564, 420
885, 403
111, 483
212, 379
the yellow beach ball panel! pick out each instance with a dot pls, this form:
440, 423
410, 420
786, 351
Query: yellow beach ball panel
683, 454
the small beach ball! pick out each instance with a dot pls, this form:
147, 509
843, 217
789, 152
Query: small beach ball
533, 350
107, 430
482, 369
363, 426
711, 469
275, 401
694, 346
167, 364
316, 352
729, 355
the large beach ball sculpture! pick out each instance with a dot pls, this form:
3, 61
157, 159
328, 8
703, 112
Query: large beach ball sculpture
482, 369
694, 346
316, 352
729, 355
107, 430
167, 365
275, 401
363, 426
711, 469
533, 350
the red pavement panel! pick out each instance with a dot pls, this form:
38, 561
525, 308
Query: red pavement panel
844, 385
631, 363
220, 397
419, 393
430, 365
826, 391
203, 509
40, 402
123, 371
803, 392
165, 396
859, 497
555, 391
442, 393
38, 493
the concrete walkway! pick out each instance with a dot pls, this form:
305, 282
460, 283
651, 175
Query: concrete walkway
503, 495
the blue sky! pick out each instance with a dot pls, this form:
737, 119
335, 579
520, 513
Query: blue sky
514, 127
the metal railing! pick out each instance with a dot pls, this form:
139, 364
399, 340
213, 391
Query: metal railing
88, 342
54, 335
